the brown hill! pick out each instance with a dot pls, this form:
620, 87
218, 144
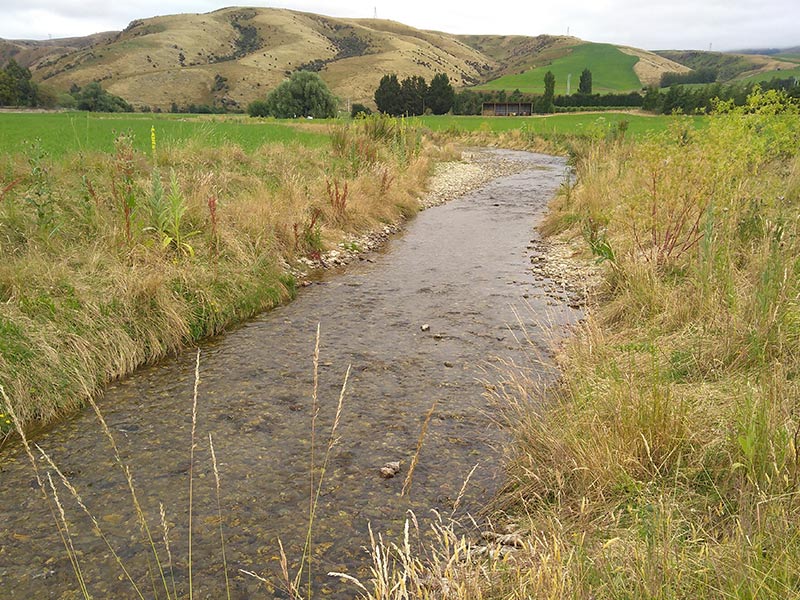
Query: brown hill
235, 55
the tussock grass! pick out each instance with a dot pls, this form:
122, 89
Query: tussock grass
114, 260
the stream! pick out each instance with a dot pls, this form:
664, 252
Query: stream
462, 268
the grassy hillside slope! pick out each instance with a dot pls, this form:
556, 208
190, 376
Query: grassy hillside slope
730, 66
612, 71
235, 55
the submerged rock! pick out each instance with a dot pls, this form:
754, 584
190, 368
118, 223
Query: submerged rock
390, 469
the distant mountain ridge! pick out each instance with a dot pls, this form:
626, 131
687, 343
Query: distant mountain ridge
232, 56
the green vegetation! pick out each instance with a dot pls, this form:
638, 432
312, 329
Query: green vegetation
585, 83
413, 96
769, 75
304, 94
358, 109
612, 71
92, 97
112, 259
69, 132
17, 87
700, 75
727, 66
559, 125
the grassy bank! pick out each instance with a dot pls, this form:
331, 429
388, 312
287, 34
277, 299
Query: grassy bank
113, 259
665, 462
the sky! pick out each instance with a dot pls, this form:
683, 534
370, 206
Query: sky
649, 24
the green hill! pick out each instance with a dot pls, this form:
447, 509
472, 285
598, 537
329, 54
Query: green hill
768, 75
612, 71
732, 67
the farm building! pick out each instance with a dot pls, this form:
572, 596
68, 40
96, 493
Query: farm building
507, 109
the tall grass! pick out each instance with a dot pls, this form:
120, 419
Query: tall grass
664, 462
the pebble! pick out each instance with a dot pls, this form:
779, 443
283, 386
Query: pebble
390, 469
425, 327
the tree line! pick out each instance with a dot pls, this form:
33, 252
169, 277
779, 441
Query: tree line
414, 96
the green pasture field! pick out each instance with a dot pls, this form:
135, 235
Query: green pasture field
563, 124
612, 71
768, 75
66, 132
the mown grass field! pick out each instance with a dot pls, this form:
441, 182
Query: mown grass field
589, 124
612, 71
69, 132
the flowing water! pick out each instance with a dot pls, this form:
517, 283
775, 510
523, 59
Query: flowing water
461, 268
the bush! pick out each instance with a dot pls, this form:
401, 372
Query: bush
258, 108
304, 94
358, 110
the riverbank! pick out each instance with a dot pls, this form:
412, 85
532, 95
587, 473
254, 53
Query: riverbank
113, 261
412, 328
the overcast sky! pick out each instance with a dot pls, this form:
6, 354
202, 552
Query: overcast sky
650, 24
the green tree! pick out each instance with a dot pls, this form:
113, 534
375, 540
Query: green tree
441, 94
516, 96
359, 110
8, 91
413, 91
25, 91
652, 99
585, 84
388, 95
468, 102
258, 108
304, 94
546, 103
94, 98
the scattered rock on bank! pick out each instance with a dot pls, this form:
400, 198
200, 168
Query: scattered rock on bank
569, 277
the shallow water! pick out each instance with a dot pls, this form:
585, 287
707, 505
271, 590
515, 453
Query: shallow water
461, 268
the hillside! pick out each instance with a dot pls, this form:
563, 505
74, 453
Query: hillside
613, 69
29, 52
232, 56
735, 66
